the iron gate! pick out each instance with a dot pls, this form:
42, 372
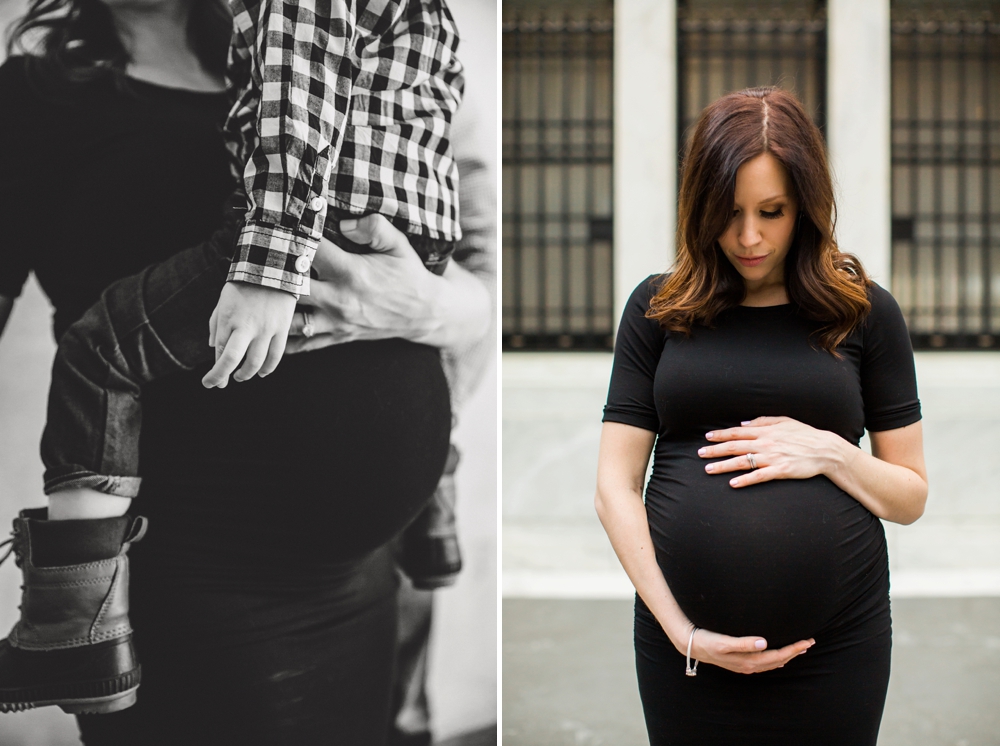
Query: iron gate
727, 46
946, 173
557, 159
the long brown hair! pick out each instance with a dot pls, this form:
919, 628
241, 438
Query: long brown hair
825, 284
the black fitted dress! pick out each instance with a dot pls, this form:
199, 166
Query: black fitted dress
785, 559
263, 595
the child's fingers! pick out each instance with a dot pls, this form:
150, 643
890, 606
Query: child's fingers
274, 352
235, 348
221, 340
212, 322
255, 356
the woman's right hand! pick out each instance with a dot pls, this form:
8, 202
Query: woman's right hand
739, 654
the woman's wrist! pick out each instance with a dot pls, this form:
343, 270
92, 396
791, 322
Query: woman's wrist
675, 624
840, 456
459, 308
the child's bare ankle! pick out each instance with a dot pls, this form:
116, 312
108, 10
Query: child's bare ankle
82, 504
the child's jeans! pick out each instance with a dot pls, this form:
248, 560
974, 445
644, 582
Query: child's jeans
144, 327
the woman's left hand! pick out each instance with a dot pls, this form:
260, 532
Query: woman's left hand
781, 448
387, 293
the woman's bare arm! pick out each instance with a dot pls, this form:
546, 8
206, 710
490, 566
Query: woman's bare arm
621, 469
891, 483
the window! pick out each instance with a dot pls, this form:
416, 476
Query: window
946, 172
557, 175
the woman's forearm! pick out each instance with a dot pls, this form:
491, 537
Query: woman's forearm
890, 491
461, 309
624, 518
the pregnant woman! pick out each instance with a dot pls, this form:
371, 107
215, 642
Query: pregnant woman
263, 595
754, 368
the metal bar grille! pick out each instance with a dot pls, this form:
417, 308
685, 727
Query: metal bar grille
557, 177
727, 46
946, 173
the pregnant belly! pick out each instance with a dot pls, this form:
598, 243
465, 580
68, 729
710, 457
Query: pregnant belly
784, 559
338, 448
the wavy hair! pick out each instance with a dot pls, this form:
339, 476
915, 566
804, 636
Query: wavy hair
826, 284
78, 40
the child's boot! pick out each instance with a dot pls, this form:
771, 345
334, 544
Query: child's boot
428, 550
73, 644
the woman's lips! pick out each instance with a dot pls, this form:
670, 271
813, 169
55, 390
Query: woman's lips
751, 261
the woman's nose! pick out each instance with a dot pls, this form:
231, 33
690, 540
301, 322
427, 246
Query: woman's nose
749, 234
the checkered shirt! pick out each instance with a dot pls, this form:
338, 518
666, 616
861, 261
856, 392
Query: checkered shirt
344, 103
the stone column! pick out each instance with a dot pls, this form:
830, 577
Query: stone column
645, 151
858, 130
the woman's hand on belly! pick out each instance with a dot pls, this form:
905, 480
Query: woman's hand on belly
891, 482
742, 654
388, 294
772, 448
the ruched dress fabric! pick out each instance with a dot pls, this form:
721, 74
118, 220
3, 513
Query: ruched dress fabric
786, 559
263, 595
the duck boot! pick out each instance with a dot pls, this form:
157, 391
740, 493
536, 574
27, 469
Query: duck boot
73, 644
428, 550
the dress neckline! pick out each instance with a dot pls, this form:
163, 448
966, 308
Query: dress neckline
172, 90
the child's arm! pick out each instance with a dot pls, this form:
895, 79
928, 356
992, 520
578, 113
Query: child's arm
251, 321
299, 57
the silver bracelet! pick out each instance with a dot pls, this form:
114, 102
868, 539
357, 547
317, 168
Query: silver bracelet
691, 670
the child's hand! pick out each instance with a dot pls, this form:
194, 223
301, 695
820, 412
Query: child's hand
249, 320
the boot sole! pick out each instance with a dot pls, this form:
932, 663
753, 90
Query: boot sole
97, 697
93, 706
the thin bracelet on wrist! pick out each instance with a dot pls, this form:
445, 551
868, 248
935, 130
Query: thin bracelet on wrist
691, 670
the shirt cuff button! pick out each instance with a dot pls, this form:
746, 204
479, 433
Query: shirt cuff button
302, 264
317, 203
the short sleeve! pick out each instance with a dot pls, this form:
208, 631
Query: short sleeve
638, 347
888, 377
15, 172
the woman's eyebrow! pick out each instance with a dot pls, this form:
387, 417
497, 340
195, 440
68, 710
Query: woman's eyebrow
775, 198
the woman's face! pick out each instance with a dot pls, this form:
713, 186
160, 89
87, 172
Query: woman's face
763, 222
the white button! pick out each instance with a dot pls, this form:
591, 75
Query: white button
317, 203
302, 264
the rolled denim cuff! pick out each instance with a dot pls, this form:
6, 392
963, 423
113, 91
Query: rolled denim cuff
73, 477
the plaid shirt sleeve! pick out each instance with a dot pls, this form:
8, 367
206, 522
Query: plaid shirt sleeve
295, 64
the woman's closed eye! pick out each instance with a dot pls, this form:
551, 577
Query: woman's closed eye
779, 213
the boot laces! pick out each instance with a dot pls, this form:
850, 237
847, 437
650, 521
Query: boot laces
12, 549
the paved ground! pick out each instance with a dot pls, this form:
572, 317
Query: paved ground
569, 678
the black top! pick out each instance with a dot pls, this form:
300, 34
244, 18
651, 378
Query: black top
758, 361
97, 184
779, 558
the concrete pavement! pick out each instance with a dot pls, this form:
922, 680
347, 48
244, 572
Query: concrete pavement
569, 677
